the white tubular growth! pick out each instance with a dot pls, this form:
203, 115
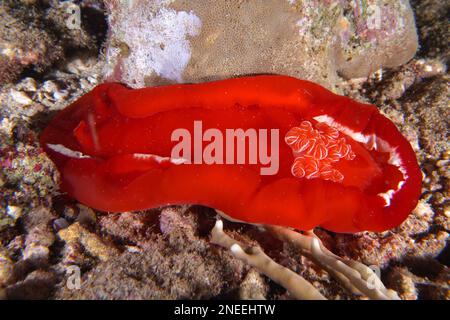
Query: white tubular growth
254, 256
354, 276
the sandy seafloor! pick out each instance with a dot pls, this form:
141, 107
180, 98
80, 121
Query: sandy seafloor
167, 253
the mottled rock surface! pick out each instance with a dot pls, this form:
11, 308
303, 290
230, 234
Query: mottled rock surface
170, 41
51, 247
36, 34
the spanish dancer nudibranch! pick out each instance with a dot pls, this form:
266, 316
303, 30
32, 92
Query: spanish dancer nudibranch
269, 150
334, 162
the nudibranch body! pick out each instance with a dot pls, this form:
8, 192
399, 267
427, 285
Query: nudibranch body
262, 149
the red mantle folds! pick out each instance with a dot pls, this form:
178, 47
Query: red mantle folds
342, 165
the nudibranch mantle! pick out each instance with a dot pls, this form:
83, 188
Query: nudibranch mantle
342, 165
372, 142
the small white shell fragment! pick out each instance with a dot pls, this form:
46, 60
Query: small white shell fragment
49, 86
133, 249
6, 126
60, 95
14, 212
20, 97
29, 84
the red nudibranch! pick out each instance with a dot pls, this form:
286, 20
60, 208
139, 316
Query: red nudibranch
341, 164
